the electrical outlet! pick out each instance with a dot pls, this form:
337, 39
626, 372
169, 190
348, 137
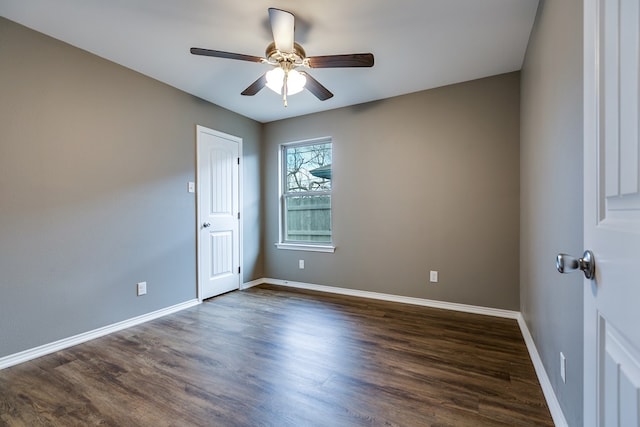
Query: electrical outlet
433, 276
301, 264
563, 367
191, 187
142, 288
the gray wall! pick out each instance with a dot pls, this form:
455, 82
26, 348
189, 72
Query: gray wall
551, 192
94, 165
426, 181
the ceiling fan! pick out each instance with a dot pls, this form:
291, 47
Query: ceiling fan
285, 55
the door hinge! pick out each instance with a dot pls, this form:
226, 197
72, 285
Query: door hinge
238, 269
238, 215
238, 160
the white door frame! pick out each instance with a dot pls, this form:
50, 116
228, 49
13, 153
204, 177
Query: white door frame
200, 128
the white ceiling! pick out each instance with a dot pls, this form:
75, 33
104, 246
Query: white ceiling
417, 44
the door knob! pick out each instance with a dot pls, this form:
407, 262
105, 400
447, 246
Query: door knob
206, 225
567, 264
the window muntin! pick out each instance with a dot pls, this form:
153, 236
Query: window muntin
306, 192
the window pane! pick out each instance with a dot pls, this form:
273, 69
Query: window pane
308, 218
308, 168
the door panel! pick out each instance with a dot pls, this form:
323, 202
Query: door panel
221, 181
612, 212
218, 207
621, 377
221, 250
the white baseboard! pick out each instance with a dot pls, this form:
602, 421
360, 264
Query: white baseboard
496, 312
550, 396
23, 356
251, 284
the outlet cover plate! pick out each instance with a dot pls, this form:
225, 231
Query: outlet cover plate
433, 276
142, 288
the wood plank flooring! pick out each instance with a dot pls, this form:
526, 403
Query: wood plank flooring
273, 356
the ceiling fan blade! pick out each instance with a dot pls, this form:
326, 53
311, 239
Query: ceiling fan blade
314, 86
227, 55
342, 61
282, 27
256, 86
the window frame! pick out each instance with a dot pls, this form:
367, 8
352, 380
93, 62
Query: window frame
283, 194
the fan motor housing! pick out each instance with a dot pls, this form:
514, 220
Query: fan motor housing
276, 56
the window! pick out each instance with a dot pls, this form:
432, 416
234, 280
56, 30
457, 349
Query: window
306, 195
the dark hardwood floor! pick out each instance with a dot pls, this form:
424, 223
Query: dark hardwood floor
273, 356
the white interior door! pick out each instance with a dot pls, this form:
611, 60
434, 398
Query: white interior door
612, 213
218, 212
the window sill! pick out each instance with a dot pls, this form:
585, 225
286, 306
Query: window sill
308, 248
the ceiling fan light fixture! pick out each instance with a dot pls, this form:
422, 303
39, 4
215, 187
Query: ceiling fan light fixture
275, 79
295, 81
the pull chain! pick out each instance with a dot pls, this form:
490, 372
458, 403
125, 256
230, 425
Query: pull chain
285, 87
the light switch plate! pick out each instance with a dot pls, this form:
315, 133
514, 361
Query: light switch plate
191, 187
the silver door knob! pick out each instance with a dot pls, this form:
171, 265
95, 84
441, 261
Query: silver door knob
206, 225
567, 264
